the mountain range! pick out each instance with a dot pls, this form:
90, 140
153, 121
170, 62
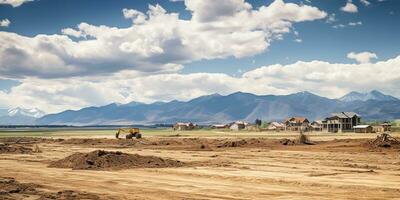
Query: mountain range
216, 108
20, 116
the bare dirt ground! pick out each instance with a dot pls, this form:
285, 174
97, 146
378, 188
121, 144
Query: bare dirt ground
212, 168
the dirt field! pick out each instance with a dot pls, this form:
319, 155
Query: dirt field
217, 167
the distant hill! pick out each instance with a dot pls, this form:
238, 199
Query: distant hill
19, 116
237, 106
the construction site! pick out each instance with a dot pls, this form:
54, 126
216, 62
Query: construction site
190, 166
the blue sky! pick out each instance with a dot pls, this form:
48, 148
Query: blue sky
323, 34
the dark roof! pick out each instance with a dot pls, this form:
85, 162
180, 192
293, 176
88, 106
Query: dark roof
344, 115
297, 119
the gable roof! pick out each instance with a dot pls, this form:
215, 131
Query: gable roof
319, 122
277, 124
361, 126
241, 122
297, 119
386, 124
184, 124
344, 114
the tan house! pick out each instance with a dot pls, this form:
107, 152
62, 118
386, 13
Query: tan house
238, 125
297, 124
384, 127
184, 126
276, 126
341, 122
363, 129
316, 126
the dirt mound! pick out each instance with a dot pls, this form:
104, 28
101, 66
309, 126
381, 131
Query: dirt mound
11, 189
105, 160
385, 140
238, 143
286, 141
9, 185
14, 149
248, 142
301, 139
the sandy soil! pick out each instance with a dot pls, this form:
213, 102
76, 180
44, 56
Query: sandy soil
253, 168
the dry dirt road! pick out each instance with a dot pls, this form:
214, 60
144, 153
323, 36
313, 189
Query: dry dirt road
219, 168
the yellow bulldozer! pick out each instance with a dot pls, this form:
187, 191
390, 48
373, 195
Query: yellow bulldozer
131, 133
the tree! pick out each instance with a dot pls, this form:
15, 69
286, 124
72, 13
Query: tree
258, 122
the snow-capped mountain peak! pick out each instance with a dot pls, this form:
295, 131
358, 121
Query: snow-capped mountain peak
33, 112
373, 95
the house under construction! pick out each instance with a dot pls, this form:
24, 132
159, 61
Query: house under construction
341, 122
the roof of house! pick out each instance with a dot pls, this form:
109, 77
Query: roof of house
276, 124
344, 114
317, 122
241, 122
297, 119
184, 124
362, 126
220, 125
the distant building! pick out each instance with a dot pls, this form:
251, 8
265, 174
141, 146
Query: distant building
297, 124
184, 126
363, 129
219, 126
316, 126
238, 125
276, 126
341, 122
384, 127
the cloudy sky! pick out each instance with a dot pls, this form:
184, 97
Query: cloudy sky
64, 54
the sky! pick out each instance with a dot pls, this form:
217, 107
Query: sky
68, 54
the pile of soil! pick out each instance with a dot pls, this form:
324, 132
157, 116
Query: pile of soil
9, 185
248, 142
11, 189
301, 139
385, 141
106, 160
238, 143
286, 141
14, 149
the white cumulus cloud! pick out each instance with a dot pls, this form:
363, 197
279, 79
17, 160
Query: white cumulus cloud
14, 3
349, 7
136, 16
5, 22
362, 57
359, 23
365, 2
156, 42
